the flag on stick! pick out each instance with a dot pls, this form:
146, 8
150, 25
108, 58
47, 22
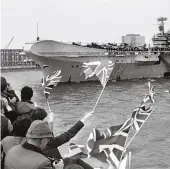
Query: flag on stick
107, 146
114, 152
102, 69
51, 81
142, 113
140, 116
48, 83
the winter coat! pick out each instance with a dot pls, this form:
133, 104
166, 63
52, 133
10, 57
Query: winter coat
25, 107
11, 141
26, 156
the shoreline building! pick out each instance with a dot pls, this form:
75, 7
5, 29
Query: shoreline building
134, 40
12, 58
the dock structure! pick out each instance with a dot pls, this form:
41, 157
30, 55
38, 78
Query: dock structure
19, 65
13, 59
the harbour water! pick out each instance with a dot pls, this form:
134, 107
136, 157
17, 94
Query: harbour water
70, 101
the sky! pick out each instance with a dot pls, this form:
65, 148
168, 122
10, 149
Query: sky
80, 20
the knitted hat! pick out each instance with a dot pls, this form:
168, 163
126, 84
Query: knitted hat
39, 129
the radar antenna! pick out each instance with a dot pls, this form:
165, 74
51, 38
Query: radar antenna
161, 24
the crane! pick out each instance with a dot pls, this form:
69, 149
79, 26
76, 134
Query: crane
7, 46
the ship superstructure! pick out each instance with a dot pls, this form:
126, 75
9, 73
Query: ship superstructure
130, 62
161, 39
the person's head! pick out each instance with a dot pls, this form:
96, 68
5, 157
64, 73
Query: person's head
21, 125
26, 93
39, 134
3, 84
38, 114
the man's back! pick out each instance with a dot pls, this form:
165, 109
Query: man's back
19, 157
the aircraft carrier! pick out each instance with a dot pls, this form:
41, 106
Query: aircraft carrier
130, 62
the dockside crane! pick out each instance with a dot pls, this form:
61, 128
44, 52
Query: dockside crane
7, 46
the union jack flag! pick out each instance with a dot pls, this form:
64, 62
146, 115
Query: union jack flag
115, 151
107, 146
102, 69
76, 151
141, 114
51, 81
125, 162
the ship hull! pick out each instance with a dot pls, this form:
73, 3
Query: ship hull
126, 67
72, 70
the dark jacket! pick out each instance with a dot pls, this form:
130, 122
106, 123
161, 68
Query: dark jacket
11, 115
26, 156
4, 127
52, 150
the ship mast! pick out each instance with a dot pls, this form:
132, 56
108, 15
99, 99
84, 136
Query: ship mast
37, 33
161, 24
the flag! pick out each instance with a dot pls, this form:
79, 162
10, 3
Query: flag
76, 151
108, 137
115, 151
102, 69
125, 162
107, 146
141, 114
51, 81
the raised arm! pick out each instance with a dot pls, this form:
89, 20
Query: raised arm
66, 136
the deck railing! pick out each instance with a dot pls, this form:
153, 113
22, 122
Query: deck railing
18, 63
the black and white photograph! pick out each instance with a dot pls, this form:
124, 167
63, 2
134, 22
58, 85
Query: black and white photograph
85, 84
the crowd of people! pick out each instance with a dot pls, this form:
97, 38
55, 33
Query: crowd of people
27, 139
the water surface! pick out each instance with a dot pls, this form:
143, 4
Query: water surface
69, 102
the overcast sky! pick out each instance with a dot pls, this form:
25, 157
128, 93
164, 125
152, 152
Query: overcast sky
80, 20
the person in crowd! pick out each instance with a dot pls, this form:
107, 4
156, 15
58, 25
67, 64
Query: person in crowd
6, 126
29, 155
9, 100
38, 114
20, 128
7, 91
7, 110
51, 150
26, 105
11, 94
